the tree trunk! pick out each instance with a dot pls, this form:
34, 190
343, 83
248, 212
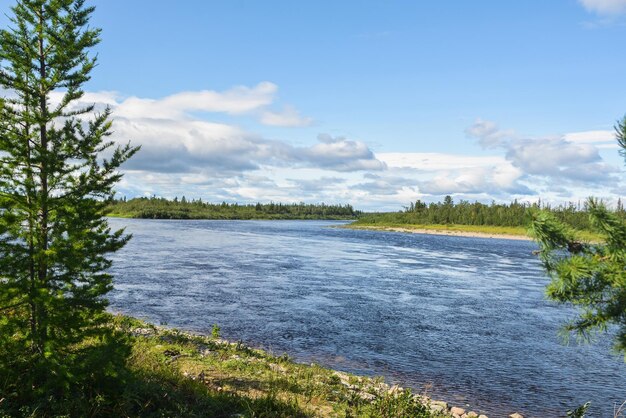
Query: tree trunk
43, 179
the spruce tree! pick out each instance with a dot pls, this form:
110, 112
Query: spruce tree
590, 276
57, 173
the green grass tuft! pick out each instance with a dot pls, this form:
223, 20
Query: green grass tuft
175, 374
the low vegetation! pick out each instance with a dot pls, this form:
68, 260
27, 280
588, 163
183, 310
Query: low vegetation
495, 218
161, 208
169, 373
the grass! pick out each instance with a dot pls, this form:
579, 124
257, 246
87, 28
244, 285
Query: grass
176, 374
120, 215
199, 374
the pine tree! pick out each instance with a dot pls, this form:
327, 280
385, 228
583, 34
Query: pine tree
55, 184
591, 276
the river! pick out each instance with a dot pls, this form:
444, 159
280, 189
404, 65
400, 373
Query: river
463, 319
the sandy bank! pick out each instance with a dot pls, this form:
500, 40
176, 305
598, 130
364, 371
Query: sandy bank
451, 232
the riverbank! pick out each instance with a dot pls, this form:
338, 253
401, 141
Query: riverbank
229, 217
207, 376
473, 231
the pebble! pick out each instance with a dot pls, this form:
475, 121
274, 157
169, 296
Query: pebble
143, 331
457, 410
438, 406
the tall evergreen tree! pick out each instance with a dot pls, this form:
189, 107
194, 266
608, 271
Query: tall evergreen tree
54, 186
591, 276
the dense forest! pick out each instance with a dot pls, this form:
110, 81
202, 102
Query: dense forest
161, 208
447, 212
513, 214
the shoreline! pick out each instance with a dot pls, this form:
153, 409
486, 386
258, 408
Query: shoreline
130, 216
365, 390
449, 232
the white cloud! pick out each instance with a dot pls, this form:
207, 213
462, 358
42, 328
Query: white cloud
237, 100
590, 137
440, 174
493, 181
505, 176
387, 184
431, 161
550, 156
604, 7
572, 157
341, 154
180, 146
288, 117
566, 167
600, 139
488, 133
189, 145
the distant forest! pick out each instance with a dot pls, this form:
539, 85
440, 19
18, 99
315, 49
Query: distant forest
495, 214
447, 212
160, 208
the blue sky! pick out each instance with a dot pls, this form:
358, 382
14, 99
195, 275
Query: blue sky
374, 103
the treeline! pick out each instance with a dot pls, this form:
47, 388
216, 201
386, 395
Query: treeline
495, 214
447, 212
161, 208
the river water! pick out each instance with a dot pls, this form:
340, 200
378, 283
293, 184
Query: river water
463, 319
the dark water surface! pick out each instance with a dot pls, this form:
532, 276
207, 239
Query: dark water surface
465, 318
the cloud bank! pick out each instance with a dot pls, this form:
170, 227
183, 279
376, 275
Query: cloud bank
570, 158
174, 139
187, 149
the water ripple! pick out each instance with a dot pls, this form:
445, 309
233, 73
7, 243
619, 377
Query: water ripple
465, 318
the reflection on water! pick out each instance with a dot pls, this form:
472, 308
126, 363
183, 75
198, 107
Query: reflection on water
465, 317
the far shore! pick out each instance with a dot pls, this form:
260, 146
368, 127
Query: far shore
452, 232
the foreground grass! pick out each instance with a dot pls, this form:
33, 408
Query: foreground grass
176, 374
187, 375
